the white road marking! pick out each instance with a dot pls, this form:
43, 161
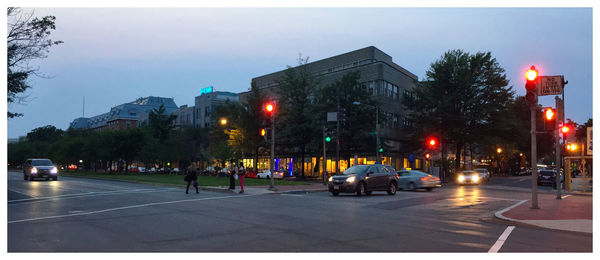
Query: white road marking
565, 196
293, 195
28, 195
80, 194
123, 208
496, 247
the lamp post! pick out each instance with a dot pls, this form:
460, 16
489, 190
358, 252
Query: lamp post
498, 152
377, 160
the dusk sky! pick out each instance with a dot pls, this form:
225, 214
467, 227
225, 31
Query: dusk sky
115, 55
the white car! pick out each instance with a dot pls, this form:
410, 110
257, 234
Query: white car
266, 174
175, 170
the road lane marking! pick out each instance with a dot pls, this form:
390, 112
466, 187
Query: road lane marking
566, 196
496, 247
126, 207
28, 195
80, 194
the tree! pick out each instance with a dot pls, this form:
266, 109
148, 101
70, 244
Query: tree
47, 133
27, 40
295, 113
461, 98
254, 120
161, 123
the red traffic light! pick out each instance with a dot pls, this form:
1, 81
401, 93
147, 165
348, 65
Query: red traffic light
531, 74
565, 129
531, 77
263, 132
431, 142
269, 108
549, 114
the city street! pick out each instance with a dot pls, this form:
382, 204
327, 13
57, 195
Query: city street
85, 215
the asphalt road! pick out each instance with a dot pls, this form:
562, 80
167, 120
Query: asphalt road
83, 215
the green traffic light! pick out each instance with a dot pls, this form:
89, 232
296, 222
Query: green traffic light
328, 139
380, 150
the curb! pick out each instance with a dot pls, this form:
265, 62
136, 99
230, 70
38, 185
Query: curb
498, 215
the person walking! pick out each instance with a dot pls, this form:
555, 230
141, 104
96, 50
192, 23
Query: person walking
241, 175
232, 172
191, 177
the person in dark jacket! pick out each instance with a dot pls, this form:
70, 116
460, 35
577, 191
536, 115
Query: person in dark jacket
232, 172
191, 177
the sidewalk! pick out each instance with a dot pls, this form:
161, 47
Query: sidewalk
572, 213
258, 190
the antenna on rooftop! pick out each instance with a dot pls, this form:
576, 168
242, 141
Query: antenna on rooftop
83, 114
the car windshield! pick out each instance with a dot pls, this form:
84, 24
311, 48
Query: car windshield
356, 169
547, 173
418, 173
467, 172
480, 170
41, 163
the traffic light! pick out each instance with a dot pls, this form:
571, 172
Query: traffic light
427, 156
269, 108
531, 77
328, 139
263, 132
549, 119
342, 115
431, 142
380, 149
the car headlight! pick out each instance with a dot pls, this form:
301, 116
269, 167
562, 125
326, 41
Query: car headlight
33, 170
54, 170
351, 179
330, 178
475, 178
461, 178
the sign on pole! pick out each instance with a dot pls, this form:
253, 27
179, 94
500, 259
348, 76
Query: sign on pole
589, 140
331, 116
550, 85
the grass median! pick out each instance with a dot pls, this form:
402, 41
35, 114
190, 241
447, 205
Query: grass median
173, 179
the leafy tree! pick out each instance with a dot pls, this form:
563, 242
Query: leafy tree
581, 132
462, 97
295, 115
27, 40
254, 119
160, 123
47, 133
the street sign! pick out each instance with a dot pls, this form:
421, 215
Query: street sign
331, 116
550, 85
589, 140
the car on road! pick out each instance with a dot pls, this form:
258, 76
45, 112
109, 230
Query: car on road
39, 168
548, 177
412, 180
266, 174
484, 174
364, 179
469, 177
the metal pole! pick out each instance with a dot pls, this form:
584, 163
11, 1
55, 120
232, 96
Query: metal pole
377, 158
272, 187
324, 164
337, 147
557, 149
534, 188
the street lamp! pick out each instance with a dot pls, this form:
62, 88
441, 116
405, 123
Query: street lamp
377, 160
223, 121
499, 150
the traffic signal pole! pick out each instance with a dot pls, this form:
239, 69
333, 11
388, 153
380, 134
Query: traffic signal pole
324, 154
272, 187
557, 147
534, 175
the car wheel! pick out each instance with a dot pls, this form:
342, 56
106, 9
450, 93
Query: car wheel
360, 189
411, 186
31, 178
368, 192
24, 177
268, 177
55, 178
392, 188
335, 193
429, 189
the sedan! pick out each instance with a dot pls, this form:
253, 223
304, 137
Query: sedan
412, 180
484, 174
266, 174
364, 179
469, 177
548, 177
39, 168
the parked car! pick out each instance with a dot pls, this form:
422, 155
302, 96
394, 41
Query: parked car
266, 174
175, 170
133, 169
483, 173
364, 179
548, 177
469, 177
412, 180
251, 174
39, 168
142, 169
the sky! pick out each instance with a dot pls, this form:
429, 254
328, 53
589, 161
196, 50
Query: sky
112, 56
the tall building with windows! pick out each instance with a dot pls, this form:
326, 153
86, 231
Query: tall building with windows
385, 79
200, 115
127, 115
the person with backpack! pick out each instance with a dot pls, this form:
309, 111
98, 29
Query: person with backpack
191, 177
241, 174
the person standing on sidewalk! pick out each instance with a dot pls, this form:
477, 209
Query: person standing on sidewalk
232, 172
241, 174
191, 177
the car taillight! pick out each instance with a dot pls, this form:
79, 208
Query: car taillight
397, 176
423, 178
437, 179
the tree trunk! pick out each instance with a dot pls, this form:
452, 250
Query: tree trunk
457, 155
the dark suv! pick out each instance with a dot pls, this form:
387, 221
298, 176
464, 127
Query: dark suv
364, 179
39, 168
549, 177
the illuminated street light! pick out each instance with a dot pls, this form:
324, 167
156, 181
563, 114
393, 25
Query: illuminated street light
223, 121
499, 150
